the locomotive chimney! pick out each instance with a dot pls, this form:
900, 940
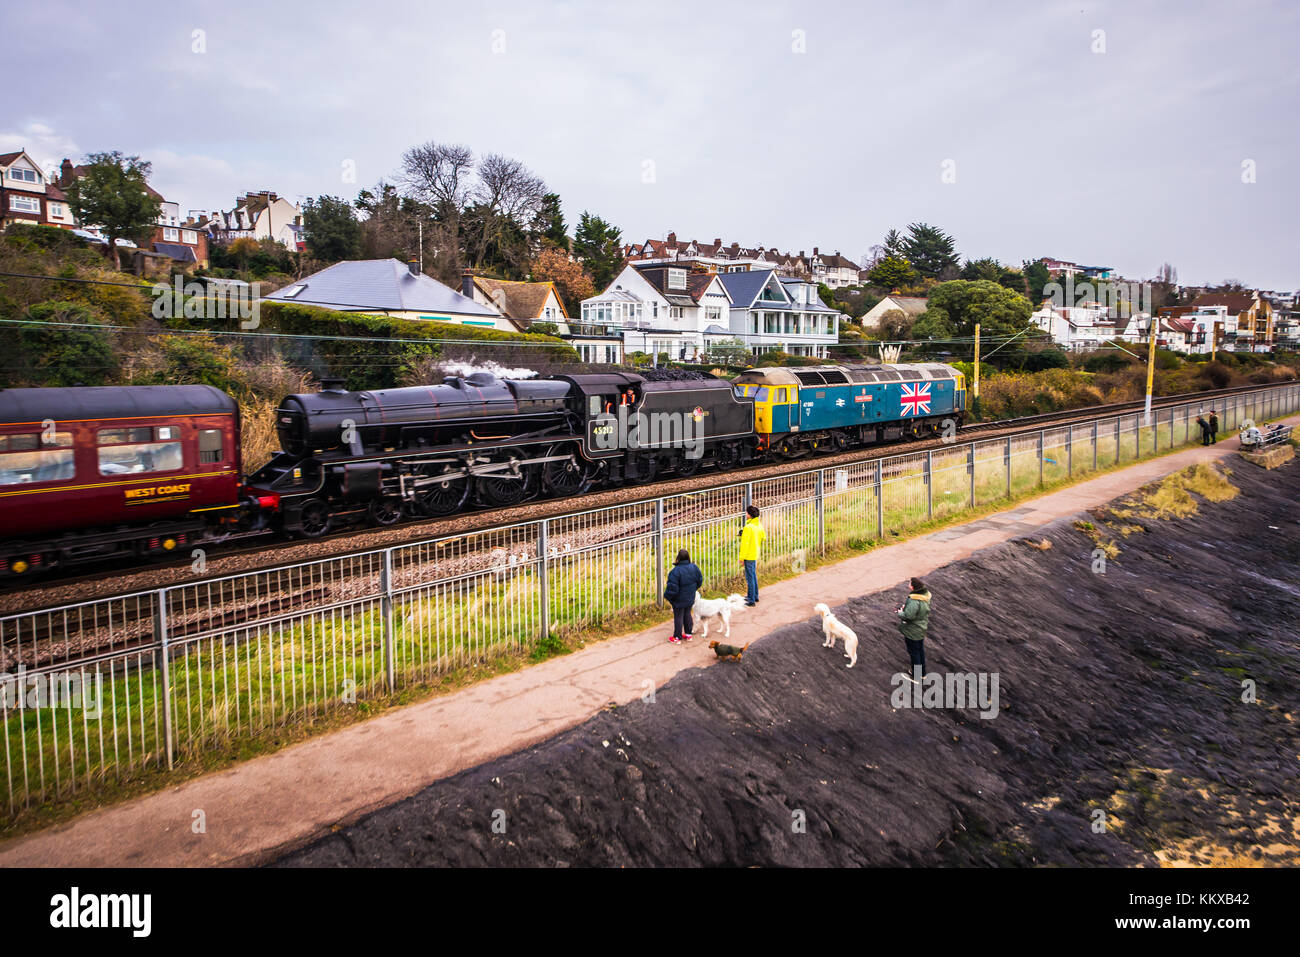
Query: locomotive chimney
332, 384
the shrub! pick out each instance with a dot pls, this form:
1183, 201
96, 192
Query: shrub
44, 354
1106, 362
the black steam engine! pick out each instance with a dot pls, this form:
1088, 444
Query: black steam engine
433, 450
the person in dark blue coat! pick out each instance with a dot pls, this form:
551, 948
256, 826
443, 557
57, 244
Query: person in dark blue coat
679, 591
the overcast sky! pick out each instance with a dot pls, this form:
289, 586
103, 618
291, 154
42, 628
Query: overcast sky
706, 119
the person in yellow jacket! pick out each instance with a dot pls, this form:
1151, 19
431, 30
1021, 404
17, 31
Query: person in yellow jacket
751, 540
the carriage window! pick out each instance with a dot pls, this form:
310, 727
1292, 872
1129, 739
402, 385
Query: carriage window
142, 454
29, 458
210, 446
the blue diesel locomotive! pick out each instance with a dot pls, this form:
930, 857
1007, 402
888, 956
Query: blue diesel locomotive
822, 408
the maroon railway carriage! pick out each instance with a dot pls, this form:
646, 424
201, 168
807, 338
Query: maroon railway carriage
90, 473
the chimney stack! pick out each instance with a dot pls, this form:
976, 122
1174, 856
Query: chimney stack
414, 266
467, 284
815, 252
672, 239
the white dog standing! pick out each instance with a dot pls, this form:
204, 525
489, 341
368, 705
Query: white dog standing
708, 609
833, 628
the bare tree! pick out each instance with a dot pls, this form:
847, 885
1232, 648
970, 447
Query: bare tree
507, 198
439, 175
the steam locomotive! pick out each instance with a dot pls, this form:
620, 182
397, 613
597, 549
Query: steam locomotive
88, 474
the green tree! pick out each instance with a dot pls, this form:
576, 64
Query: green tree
548, 225
1036, 277
986, 268
930, 250
599, 246
331, 229
892, 272
826, 295
954, 307
894, 244
114, 195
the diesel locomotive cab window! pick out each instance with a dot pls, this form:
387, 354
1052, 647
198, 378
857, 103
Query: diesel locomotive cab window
30, 458
138, 450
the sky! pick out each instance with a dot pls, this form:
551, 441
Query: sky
1120, 134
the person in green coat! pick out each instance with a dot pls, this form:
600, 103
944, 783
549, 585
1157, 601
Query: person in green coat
914, 620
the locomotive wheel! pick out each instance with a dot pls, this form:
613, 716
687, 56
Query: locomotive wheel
385, 511
726, 458
570, 477
314, 519
647, 469
507, 491
444, 498
687, 466
841, 441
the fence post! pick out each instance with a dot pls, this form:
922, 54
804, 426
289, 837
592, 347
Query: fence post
1042, 454
929, 486
164, 653
821, 511
970, 465
659, 546
1117, 439
1006, 462
1137, 440
1095, 443
1069, 453
749, 494
880, 499
544, 571
386, 603
1155, 431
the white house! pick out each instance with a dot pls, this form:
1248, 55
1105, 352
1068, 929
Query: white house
262, 215
774, 313
911, 306
663, 308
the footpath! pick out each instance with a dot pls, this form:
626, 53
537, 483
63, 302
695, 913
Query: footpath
268, 805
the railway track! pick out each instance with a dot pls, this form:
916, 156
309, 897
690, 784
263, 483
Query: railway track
253, 553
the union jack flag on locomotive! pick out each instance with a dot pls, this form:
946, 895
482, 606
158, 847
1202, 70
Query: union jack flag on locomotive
915, 399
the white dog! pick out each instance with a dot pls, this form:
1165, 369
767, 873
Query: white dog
833, 628
707, 609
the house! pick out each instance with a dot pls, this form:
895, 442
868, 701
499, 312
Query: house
1251, 317
723, 258
260, 215
1068, 270
1078, 328
661, 308
770, 312
1286, 329
832, 269
523, 303
910, 306
23, 191
389, 287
